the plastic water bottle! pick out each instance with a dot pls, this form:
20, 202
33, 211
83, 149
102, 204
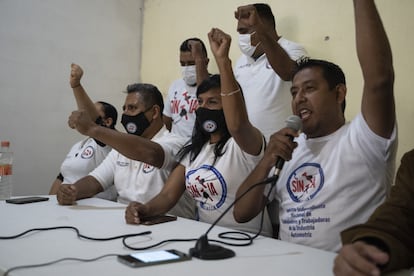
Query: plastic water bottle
6, 162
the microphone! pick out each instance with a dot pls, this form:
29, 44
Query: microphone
203, 249
206, 251
294, 122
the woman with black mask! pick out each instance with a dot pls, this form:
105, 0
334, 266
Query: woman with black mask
223, 149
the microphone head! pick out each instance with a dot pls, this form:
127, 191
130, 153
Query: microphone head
294, 122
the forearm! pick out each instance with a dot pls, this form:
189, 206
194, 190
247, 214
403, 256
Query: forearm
131, 146
165, 200
373, 48
252, 199
246, 135
232, 99
375, 58
278, 58
201, 69
84, 102
87, 187
55, 186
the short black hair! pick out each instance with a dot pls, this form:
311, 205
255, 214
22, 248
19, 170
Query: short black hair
332, 73
149, 93
110, 112
210, 83
184, 45
265, 11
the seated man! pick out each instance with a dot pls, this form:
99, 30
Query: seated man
386, 240
141, 159
340, 171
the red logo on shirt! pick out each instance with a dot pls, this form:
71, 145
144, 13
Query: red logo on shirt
88, 153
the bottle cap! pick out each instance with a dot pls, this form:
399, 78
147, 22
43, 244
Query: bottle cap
5, 144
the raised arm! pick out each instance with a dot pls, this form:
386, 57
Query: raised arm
375, 58
266, 35
132, 146
245, 134
200, 59
82, 98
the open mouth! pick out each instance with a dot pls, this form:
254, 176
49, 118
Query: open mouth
304, 114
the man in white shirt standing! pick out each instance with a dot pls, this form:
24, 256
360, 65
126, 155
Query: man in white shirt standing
181, 101
265, 69
264, 72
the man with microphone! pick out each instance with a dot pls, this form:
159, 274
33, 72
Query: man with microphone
336, 172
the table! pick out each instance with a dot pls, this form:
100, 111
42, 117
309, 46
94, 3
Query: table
101, 218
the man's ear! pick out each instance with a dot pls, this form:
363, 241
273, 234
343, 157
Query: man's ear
157, 112
340, 93
108, 122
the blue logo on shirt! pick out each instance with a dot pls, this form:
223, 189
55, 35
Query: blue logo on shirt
305, 182
207, 186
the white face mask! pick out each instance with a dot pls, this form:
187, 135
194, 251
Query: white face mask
245, 44
189, 74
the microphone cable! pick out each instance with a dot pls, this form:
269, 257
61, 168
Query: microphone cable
79, 235
228, 235
57, 261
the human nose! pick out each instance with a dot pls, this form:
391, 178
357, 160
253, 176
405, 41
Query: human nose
298, 99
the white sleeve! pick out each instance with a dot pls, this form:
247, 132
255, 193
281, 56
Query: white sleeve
105, 172
171, 144
167, 101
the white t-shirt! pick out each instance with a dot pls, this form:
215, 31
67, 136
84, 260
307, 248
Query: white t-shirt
214, 187
267, 96
136, 180
82, 158
180, 106
334, 182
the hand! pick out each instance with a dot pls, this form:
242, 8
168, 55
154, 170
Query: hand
76, 74
196, 49
67, 194
219, 43
280, 145
135, 212
359, 258
249, 19
81, 121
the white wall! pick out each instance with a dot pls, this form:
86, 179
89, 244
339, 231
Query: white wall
39, 39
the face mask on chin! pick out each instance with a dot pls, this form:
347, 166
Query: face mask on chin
210, 120
189, 74
135, 124
245, 44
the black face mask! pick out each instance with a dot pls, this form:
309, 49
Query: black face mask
99, 121
210, 120
135, 124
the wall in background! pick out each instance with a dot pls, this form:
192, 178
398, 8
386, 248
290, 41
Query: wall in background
324, 27
39, 40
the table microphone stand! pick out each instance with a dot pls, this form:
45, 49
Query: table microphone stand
206, 251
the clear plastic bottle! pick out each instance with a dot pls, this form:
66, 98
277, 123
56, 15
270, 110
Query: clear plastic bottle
6, 163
